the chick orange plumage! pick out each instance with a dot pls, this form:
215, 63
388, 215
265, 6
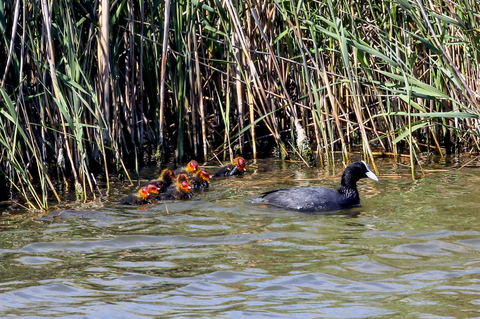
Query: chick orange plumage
182, 189
166, 178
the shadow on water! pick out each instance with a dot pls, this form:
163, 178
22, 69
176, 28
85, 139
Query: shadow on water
410, 250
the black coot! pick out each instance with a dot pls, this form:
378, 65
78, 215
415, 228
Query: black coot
309, 199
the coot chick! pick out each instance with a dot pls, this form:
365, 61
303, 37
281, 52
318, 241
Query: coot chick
181, 190
237, 167
141, 198
191, 168
309, 199
200, 180
165, 179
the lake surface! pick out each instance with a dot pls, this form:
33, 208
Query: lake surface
411, 250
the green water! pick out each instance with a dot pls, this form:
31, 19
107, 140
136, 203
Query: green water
410, 251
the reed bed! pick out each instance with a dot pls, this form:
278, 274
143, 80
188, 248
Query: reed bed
91, 90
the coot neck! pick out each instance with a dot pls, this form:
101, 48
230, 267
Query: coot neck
349, 184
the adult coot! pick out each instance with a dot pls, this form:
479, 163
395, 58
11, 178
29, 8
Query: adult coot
309, 199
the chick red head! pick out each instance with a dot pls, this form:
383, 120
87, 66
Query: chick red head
152, 189
185, 186
144, 193
204, 175
192, 166
240, 162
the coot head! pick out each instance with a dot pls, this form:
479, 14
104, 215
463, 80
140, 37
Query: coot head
354, 172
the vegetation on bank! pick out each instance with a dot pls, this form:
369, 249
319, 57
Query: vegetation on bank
88, 91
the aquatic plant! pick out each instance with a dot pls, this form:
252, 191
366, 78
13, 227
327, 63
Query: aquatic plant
88, 91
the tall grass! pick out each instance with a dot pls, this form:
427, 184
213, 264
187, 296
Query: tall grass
89, 91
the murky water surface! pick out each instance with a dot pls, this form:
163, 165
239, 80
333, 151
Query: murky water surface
412, 250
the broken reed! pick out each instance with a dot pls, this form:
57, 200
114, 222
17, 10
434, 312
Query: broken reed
86, 90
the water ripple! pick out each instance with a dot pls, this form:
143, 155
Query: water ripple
410, 251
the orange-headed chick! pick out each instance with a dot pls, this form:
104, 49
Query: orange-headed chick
166, 178
239, 162
237, 167
200, 180
190, 169
182, 189
141, 198
153, 189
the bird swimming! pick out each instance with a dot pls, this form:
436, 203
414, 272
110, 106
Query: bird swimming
310, 199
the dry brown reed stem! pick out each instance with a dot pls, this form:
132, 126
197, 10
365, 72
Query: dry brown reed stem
200, 97
239, 90
226, 137
474, 159
193, 100
252, 119
103, 50
163, 66
103, 61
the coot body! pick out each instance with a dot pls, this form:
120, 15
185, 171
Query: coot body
310, 199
